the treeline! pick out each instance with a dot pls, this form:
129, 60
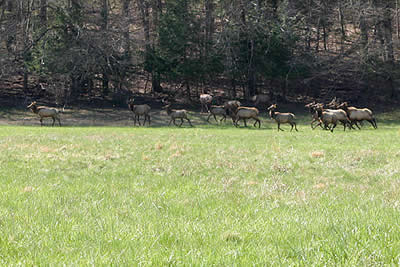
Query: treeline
78, 48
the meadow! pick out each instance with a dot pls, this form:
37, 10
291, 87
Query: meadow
209, 195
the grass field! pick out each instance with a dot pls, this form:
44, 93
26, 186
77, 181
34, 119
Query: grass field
199, 196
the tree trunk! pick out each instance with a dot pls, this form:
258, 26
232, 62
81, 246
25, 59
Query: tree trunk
209, 26
10, 5
397, 20
364, 37
318, 36
144, 8
126, 60
233, 91
324, 35
104, 27
342, 27
105, 83
74, 87
249, 49
126, 26
188, 90
251, 74
387, 32
43, 13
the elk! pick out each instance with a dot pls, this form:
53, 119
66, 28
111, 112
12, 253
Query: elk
260, 99
217, 110
282, 117
205, 101
314, 114
139, 110
176, 114
230, 108
325, 117
359, 114
244, 113
45, 112
341, 115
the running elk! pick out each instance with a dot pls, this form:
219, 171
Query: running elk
314, 114
217, 110
282, 117
359, 114
325, 117
244, 113
231, 107
341, 115
176, 114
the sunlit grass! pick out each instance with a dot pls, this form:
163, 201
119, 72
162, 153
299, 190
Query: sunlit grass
201, 196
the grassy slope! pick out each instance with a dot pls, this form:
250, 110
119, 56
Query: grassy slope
224, 196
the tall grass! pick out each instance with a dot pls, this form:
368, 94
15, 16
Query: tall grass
202, 196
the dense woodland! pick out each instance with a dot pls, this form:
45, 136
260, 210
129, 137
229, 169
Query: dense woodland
66, 50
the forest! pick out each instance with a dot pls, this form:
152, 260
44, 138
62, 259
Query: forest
66, 50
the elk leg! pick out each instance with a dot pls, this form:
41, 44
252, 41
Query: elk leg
236, 122
223, 118
312, 123
374, 120
208, 118
334, 125
372, 123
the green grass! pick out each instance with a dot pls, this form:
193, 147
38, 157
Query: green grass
201, 196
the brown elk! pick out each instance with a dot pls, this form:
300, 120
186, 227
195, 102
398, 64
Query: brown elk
282, 117
359, 114
205, 101
139, 110
176, 114
217, 110
45, 112
244, 113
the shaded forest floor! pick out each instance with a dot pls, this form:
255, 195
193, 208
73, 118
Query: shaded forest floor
107, 117
98, 111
